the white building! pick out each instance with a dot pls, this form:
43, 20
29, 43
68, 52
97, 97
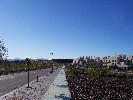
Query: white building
88, 61
116, 60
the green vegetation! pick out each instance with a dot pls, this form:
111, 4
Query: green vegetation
7, 67
90, 72
95, 72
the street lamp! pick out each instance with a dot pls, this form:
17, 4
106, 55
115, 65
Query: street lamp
37, 69
27, 61
35, 64
52, 55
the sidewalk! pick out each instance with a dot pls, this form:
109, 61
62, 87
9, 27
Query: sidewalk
58, 90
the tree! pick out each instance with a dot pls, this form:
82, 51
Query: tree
3, 50
3, 54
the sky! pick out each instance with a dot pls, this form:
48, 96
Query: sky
67, 28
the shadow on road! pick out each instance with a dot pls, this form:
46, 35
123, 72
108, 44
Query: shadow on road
63, 97
62, 86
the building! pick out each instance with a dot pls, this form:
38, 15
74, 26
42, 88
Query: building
116, 60
63, 60
88, 61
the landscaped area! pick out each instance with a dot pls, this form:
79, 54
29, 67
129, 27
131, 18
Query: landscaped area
99, 83
10, 67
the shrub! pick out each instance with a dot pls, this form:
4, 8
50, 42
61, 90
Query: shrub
93, 73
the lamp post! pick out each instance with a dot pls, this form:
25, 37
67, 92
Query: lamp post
35, 64
27, 61
52, 55
37, 69
37, 78
52, 62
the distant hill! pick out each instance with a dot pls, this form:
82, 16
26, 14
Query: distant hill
15, 59
19, 59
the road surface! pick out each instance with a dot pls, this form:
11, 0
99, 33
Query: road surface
14, 81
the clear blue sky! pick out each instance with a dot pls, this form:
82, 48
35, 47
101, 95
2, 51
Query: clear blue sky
68, 28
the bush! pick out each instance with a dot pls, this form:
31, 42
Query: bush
93, 73
74, 70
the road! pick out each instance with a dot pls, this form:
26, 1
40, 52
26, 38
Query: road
14, 81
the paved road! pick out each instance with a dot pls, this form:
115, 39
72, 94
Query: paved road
14, 81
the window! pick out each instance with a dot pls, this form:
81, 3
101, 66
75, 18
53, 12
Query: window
112, 60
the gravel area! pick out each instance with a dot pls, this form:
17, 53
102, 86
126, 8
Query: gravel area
101, 88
